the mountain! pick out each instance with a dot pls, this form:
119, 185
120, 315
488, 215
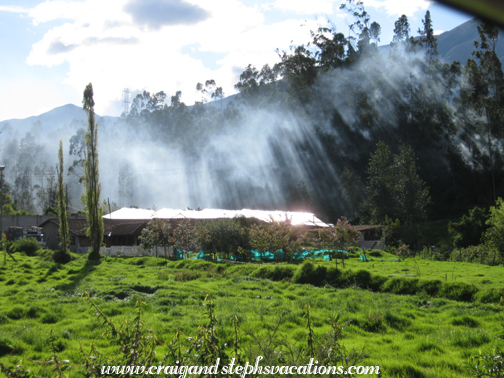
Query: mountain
67, 117
458, 44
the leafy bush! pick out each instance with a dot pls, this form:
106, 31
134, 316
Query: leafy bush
308, 273
224, 236
361, 278
475, 254
28, 246
62, 257
275, 273
469, 229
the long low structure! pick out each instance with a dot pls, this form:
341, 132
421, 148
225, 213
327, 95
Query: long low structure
297, 218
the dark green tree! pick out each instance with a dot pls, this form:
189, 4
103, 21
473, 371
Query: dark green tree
470, 228
427, 38
486, 93
91, 176
350, 183
62, 211
225, 236
411, 194
380, 186
394, 187
402, 39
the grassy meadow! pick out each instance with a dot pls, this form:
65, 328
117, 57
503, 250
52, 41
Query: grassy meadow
425, 326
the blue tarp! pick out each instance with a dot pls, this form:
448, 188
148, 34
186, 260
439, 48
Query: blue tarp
256, 255
363, 258
178, 254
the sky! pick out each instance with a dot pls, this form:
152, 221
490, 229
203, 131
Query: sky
52, 49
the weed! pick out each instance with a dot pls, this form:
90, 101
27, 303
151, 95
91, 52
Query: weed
185, 275
373, 323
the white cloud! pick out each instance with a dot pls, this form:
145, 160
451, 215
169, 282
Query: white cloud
39, 93
107, 48
399, 7
437, 32
13, 9
306, 7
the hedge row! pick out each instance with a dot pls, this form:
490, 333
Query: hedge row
320, 275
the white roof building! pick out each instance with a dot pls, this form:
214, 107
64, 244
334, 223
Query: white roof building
297, 218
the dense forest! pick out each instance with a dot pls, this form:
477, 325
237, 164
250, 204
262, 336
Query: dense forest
336, 127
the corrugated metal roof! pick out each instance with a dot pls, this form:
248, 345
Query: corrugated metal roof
297, 218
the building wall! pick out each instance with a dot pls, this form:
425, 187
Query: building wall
370, 244
50, 231
29, 220
24, 220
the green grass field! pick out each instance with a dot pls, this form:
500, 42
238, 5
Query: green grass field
406, 335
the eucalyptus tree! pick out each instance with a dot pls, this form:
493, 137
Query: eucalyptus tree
486, 92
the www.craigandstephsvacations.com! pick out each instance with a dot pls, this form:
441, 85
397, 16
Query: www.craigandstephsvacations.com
312, 368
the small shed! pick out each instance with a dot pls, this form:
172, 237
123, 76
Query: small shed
370, 237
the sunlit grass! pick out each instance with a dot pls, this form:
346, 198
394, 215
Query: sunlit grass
407, 335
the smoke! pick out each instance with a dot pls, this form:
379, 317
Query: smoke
260, 159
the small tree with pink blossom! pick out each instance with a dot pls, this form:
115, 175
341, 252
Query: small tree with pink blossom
339, 237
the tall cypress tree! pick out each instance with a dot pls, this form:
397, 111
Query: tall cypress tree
91, 176
62, 211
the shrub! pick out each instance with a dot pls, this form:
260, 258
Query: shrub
334, 277
275, 273
28, 246
361, 278
308, 273
62, 257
